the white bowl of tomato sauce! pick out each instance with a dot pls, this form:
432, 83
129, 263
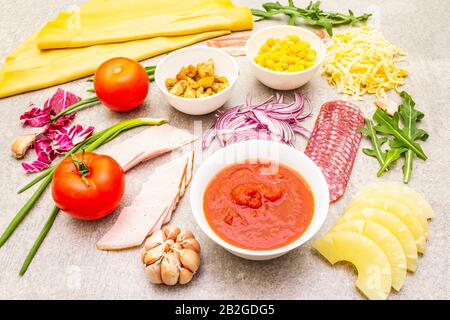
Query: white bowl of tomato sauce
259, 199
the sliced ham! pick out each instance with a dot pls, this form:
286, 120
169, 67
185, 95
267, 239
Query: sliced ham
152, 207
148, 144
229, 41
234, 46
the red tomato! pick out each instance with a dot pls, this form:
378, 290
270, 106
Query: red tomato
121, 84
90, 187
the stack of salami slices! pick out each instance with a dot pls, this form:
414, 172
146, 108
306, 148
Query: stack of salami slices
334, 143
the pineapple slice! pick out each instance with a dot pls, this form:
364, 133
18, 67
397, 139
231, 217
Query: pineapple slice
397, 208
386, 241
394, 225
400, 192
413, 209
374, 271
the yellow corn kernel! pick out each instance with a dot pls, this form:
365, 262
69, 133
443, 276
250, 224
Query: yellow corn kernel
294, 38
265, 48
270, 42
290, 54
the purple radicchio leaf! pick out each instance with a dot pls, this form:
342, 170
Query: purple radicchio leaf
35, 166
36, 116
72, 135
60, 101
44, 151
57, 138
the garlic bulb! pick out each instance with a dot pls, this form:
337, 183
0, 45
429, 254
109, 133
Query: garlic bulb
171, 256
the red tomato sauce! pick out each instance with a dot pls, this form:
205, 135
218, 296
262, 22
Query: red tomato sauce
258, 206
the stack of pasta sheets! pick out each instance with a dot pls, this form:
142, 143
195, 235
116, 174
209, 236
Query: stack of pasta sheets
74, 44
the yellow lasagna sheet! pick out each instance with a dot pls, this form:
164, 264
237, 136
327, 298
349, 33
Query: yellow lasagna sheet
29, 68
109, 21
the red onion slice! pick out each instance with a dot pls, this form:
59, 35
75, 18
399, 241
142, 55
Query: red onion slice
271, 119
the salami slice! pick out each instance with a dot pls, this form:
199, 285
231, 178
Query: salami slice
334, 143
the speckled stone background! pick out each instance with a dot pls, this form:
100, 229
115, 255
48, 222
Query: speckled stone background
69, 267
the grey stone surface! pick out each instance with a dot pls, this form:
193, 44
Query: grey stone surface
69, 267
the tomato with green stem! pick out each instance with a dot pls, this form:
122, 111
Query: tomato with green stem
121, 84
88, 186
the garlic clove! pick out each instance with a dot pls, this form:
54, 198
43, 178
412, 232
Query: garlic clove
192, 244
168, 245
184, 235
154, 272
143, 253
169, 272
21, 144
154, 240
176, 247
185, 276
173, 259
154, 255
190, 259
171, 232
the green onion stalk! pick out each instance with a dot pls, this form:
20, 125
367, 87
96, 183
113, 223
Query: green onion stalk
90, 144
94, 99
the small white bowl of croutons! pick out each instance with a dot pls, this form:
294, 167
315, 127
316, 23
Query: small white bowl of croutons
197, 80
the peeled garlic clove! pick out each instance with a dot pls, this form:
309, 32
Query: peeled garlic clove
154, 240
192, 244
184, 235
169, 270
185, 276
21, 144
189, 259
154, 254
171, 232
154, 272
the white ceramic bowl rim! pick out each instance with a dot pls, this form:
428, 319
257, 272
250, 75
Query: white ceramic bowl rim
318, 62
258, 253
161, 82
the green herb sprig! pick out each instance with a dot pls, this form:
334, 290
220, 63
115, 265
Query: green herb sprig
312, 14
401, 140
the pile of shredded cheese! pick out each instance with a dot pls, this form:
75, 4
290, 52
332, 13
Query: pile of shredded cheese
362, 61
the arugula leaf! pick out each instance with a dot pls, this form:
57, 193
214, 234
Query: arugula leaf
389, 125
377, 142
410, 116
408, 166
312, 14
392, 156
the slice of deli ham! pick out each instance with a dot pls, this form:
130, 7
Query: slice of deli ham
334, 143
234, 46
152, 207
148, 144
